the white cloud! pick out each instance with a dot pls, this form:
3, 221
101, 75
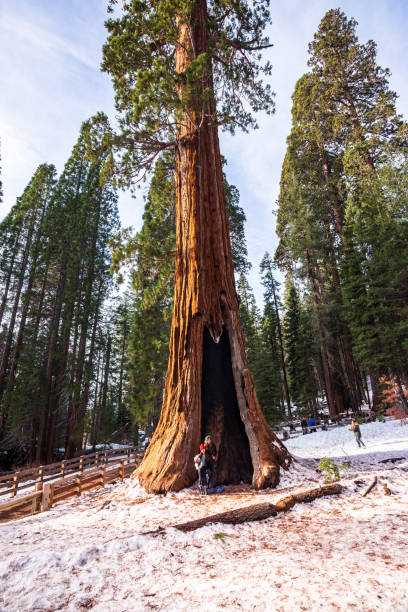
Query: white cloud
32, 36
50, 82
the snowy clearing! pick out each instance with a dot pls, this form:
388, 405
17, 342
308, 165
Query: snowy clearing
340, 553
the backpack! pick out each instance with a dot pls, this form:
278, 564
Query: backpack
199, 461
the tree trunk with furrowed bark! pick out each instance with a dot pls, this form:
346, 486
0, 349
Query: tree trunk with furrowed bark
209, 389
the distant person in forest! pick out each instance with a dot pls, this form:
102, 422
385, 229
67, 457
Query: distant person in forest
355, 427
303, 424
211, 458
312, 424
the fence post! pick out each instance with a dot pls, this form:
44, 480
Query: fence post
40, 476
81, 464
36, 501
103, 468
78, 485
97, 459
105, 453
46, 497
128, 456
62, 468
15, 484
122, 470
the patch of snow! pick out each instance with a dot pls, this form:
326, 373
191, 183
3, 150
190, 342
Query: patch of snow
338, 553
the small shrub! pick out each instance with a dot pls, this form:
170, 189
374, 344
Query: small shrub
220, 536
331, 469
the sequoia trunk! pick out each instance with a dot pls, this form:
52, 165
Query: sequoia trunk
209, 389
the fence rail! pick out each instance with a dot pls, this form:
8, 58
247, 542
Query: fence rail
60, 481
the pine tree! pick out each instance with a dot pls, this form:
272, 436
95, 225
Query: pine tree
261, 343
298, 334
273, 323
54, 280
332, 191
24, 226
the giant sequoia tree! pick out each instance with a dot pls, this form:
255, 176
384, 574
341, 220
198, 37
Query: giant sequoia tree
181, 69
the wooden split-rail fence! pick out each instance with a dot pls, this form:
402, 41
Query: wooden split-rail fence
37, 489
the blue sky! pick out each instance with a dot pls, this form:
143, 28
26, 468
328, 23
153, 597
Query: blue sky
50, 82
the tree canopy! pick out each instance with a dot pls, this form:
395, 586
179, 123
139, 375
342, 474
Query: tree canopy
221, 81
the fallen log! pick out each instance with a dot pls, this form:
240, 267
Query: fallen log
260, 512
370, 487
256, 512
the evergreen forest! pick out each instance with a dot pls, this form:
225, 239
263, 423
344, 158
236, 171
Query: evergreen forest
86, 305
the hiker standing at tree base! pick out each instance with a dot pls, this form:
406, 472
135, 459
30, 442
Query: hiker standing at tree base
211, 457
355, 427
200, 463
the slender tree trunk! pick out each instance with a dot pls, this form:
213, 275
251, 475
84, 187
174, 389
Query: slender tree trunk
74, 438
61, 358
282, 354
52, 345
401, 395
39, 308
84, 398
331, 400
9, 277
334, 200
95, 405
104, 395
209, 388
121, 415
20, 333
366, 390
375, 394
351, 373
9, 338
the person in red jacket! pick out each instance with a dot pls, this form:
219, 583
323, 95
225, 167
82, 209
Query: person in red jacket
211, 458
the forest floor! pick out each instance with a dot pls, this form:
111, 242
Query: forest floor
346, 552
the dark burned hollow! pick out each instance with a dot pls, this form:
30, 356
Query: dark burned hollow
220, 415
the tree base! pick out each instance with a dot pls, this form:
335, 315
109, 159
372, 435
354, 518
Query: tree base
212, 395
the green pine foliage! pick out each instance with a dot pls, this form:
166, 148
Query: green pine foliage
54, 282
342, 208
260, 336
301, 350
272, 328
152, 94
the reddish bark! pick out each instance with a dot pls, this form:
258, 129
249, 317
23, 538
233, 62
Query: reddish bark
335, 202
208, 387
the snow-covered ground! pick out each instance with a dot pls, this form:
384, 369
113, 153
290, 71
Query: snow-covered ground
339, 553
382, 441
